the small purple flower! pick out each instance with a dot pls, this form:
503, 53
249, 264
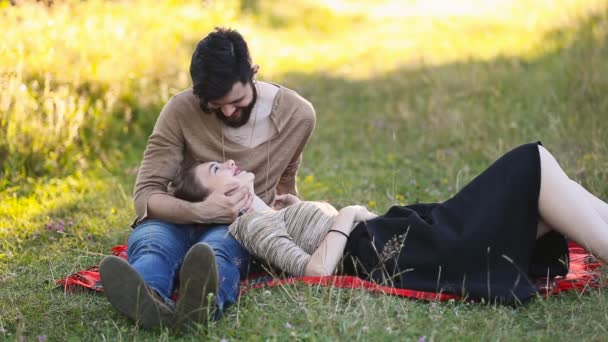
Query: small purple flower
48, 226
422, 339
224, 339
41, 338
288, 325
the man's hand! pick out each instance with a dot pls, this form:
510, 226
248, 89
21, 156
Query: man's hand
223, 206
283, 201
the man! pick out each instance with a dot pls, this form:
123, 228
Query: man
225, 115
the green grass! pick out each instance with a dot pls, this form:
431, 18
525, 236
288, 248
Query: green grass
409, 108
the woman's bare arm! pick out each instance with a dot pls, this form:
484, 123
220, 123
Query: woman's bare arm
327, 256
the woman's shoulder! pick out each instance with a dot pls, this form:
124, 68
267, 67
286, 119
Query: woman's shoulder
256, 222
314, 207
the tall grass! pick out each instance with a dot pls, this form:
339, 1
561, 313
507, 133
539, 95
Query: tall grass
76, 76
79, 77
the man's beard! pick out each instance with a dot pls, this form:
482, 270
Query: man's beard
243, 116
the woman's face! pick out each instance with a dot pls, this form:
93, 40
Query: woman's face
215, 176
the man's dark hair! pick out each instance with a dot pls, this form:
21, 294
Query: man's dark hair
218, 62
187, 186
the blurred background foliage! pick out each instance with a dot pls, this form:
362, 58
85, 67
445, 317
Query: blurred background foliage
82, 81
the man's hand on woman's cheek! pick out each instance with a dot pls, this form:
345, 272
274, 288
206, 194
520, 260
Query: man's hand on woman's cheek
224, 205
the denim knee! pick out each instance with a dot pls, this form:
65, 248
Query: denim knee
156, 250
225, 247
158, 237
232, 264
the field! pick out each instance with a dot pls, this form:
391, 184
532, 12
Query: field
413, 99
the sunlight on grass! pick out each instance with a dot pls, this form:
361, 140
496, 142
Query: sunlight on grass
369, 37
74, 73
37, 207
77, 72
81, 80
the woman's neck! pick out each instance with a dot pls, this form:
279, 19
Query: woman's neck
259, 206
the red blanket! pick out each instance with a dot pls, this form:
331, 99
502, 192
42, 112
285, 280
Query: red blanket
584, 274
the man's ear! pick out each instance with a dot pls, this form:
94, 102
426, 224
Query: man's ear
255, 68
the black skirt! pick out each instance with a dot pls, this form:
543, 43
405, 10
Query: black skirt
481, 243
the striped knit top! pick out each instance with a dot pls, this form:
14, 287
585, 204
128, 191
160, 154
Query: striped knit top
287, 238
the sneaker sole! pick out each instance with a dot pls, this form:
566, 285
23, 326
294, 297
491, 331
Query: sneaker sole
127, 292
198, 279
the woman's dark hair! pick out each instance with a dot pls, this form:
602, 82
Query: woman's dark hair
186, 185
218, 62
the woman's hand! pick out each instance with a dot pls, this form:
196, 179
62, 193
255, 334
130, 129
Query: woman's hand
283, 201
360, 213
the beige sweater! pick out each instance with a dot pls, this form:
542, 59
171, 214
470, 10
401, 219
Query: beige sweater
183, 132
287, 238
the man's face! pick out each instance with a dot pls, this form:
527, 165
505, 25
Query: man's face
234, 109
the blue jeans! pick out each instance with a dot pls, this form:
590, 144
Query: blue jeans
156, 250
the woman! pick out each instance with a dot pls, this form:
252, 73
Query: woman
485, 242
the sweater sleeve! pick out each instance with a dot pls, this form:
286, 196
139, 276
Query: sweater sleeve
268, 240
162, 158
